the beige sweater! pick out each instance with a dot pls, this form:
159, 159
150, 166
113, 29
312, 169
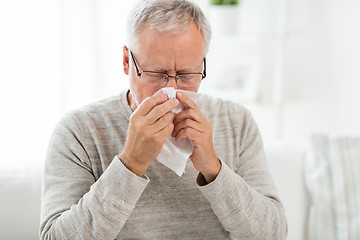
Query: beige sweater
88, 193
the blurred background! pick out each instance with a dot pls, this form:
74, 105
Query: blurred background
294, 63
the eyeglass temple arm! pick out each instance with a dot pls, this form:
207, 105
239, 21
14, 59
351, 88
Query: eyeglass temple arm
204, 73
133, 60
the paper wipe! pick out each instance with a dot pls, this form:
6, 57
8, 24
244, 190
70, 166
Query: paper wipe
175, 154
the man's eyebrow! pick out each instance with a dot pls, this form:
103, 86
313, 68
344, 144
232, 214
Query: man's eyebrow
190, 69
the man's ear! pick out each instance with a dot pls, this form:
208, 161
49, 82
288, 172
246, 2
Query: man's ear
126, 65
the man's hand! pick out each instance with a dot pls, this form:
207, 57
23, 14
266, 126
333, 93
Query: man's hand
192, 124
150, 125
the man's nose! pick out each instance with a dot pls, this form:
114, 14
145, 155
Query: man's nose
171, 82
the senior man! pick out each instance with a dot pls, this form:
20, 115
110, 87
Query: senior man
101, 177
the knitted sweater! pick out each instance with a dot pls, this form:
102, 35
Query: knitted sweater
89, 194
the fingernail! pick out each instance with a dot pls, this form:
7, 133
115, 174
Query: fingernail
176, 101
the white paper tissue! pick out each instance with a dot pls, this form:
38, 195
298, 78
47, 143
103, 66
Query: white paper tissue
175, 154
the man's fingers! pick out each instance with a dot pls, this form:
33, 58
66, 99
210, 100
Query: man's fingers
189, 133
149, 103
163, 121
187, 114
162, 109
187, 123
187, 102
166, 131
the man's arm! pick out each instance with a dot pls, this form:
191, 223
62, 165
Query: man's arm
74, 204
244, 211
191, 124
244, 199
150, 126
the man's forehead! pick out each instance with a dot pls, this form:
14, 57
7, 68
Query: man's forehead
189, 40
170, 51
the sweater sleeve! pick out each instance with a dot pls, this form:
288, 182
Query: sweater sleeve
76, 206
244, 197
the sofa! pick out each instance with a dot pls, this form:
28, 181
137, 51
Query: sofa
20, 190
285, 159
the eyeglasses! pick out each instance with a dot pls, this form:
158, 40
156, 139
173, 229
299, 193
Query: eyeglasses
160, 79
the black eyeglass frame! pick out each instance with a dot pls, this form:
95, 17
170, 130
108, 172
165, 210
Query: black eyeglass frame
138, 73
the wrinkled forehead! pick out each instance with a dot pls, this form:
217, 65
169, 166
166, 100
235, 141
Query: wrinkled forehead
184, 48
151, 34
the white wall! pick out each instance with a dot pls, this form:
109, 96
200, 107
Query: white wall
345, 36
322, 68
321, 72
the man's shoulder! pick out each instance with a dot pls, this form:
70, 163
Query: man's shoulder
98, 111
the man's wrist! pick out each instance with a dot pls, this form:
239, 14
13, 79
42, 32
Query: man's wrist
211, 174
137, 169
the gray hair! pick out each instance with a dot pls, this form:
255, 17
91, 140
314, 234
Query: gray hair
166, 16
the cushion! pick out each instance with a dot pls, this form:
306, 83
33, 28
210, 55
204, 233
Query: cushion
332, 178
